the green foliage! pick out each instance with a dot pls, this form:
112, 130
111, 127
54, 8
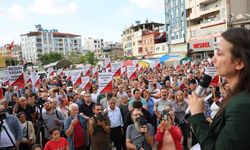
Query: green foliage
50, 57
90, 58
74, 58
83, 59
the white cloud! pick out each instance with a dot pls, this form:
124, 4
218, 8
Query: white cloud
126, 11
15, 12
153, 5
53, 7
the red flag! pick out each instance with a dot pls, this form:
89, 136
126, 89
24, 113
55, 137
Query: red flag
11, 46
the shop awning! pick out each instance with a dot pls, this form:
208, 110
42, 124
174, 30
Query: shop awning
174, 59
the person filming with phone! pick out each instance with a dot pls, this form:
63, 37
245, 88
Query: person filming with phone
168, 135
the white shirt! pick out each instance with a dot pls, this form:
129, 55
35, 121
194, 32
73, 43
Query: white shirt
115, 117
214, 109
4, 138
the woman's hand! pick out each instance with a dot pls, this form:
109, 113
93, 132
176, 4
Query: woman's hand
196, 104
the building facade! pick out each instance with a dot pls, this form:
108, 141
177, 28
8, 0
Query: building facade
175, 20
46, 41
132, 37
93, 44
207, 19
113, 51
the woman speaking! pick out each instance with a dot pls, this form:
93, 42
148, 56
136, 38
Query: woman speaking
230, 129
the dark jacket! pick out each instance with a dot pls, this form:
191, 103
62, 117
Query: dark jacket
230, 130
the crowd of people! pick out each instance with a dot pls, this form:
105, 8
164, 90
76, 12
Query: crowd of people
145, 113
139, 114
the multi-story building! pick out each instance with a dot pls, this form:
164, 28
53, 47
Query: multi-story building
175, 17
15, 53
207, 19
132, 37
111, 50
93, 44
153, 44
45, 41
239, 13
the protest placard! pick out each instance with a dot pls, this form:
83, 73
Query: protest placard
105, 82
116, 69
16, 76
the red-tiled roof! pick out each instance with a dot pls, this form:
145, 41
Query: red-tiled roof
60, 34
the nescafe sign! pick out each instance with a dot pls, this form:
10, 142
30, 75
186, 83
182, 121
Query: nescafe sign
201, 45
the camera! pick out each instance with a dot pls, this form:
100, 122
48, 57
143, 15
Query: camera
102, 116
142, 121
2, 116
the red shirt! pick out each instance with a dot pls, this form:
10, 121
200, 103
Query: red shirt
57, 145
176, 134
78, 135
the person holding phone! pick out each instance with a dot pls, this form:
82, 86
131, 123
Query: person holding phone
168, 135
75, 127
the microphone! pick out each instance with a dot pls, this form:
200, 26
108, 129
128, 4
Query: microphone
201, 89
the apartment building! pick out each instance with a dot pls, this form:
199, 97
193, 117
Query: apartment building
46, 41
93, 44
153, 44
113, 51
132, 37
207, 19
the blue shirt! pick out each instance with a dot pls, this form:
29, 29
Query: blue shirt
143, 101
151, 107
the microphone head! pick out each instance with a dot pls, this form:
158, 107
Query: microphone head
205, 81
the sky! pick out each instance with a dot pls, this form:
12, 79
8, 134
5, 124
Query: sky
90, 18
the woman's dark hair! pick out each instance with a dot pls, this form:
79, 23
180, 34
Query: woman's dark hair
240, 39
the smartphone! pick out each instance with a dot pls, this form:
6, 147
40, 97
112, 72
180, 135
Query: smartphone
75, 117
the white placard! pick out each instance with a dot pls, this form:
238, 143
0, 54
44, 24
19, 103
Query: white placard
105, 82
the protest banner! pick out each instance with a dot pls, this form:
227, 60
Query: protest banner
94, 72
6, 77
157, 64
107, 63
67, 74
60, 72
123, 71
86, 70
27, 78
105, 82
86, 85
135, 62
51, 71
116, 69
35, 80
131, 72
76, 77
16, 76
211, 71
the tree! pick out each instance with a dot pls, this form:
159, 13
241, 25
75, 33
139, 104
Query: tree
90, 58
74, 57
50, 57
83, 59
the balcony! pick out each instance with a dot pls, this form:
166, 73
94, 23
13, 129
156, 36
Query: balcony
205, 9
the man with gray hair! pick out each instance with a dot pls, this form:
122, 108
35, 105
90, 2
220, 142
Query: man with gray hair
75, 127
140, 135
